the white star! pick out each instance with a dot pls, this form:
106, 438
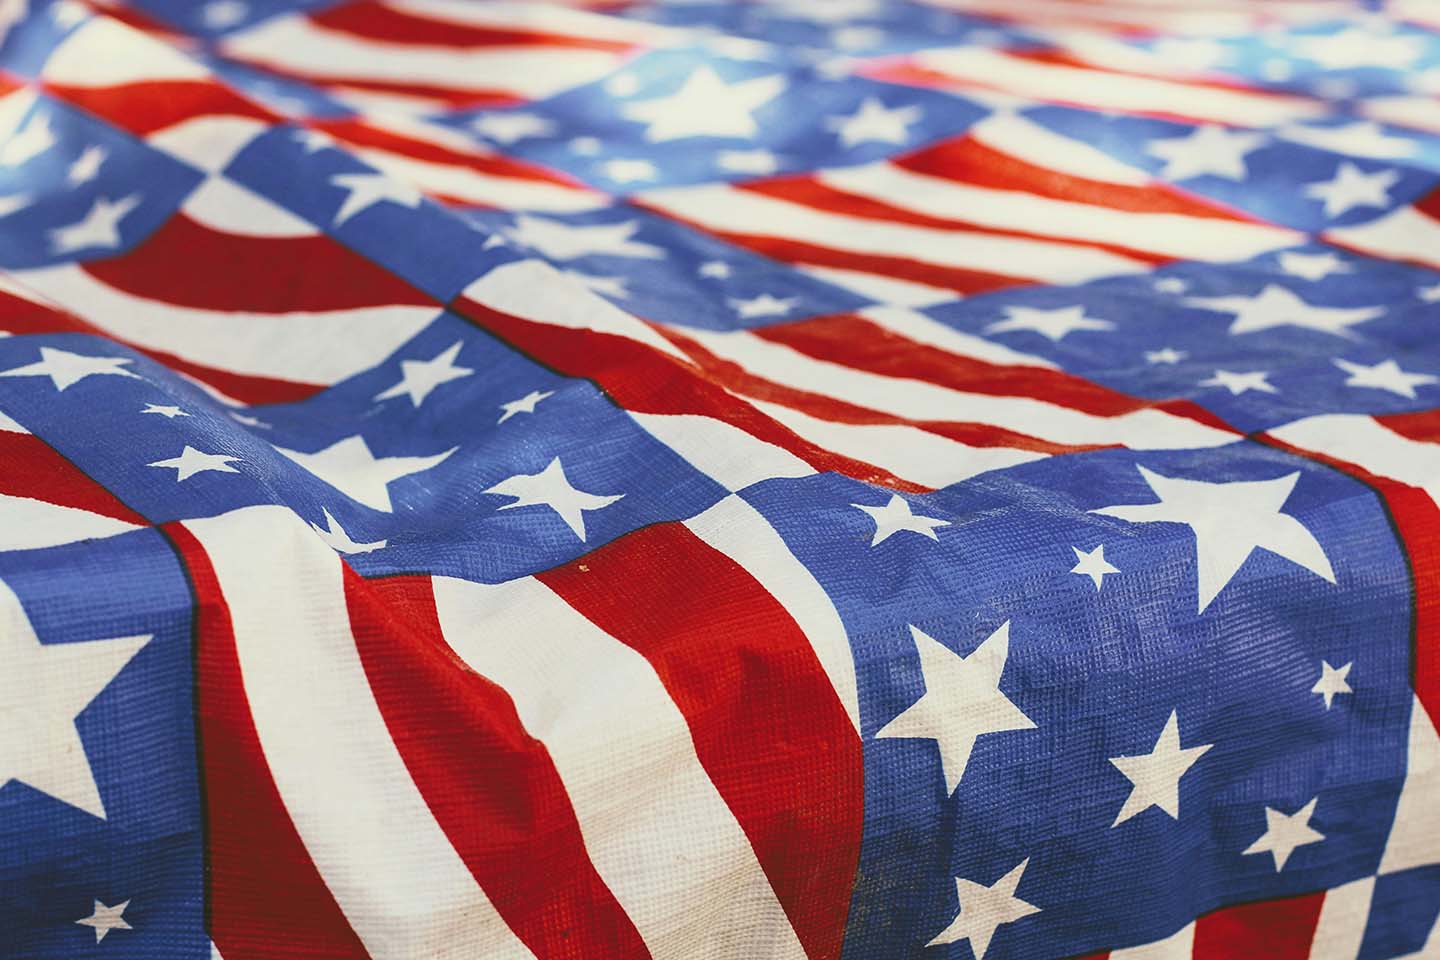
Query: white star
1312, 266
169, 413
551, 488
510, 127
758, 162
1364, 138
12, 202
1352, 187
1276, 306
192, 461
1230, 520
1355, 47
525, 404
585, 146
895, 517
334, 535
1238, 383
706, 106
764, 306
219, 14
44, 687
874, 122
1165, 355
365, 190
1430, 294
1385, 375
1155, 776
33, 139
1332, 681
556, 240
1054, 324
1206, 150
983, 909
720, 270
1283, 833
629, 171
1093, 565
605, 286
66, 369
86, 166
419, 377
350, 467
100, 227
1171, 285
105, 919
961, 703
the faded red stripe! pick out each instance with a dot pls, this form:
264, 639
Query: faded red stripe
377, 22
769, 729
265, 900
1267, 930
145, 107
32, 469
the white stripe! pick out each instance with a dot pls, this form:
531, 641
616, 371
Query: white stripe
474, 186
1172, 234
1040, 147
882, 289
370, 833
1402, 234
1418, 113
103, 52
1414, 841
551, 18
916, 326
725, 453
657, 830
1177, 946
321, 347
208, 142
1365, 442
27, 524
1343, 916
226, 207
742, 533
724, 208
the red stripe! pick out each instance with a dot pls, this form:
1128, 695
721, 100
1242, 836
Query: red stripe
767, 725
491, 786
1268, 930
374, 21
265, 899
147, 106
1429, 205
231, 272
32, 469
450, 96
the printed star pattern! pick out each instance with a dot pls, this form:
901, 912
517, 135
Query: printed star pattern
1286, 833
551, 488
983, 910
897, 517
1155, 776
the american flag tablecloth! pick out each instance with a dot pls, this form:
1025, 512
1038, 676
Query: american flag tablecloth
719, 481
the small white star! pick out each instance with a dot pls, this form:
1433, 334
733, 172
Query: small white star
339, 541
219, 14
764, 306
556, 240
874, 122
1238, 383
720, 270
629, 171
1165, 355
350, 467
419, 377
365, 190
169, 413
1385, 375
1155, 776
1093, 565
551, 488
66, 369
895, 517
192, 461
105, 919
1352, 187
525, 404
585, 146
1285, 832
1052, 324
984, 909
1312, 266
1276, 306
510, 127
756, 162
706, 106
1171, 285
86, 166
100, 227
1210, 150
1430, 294
1332, 681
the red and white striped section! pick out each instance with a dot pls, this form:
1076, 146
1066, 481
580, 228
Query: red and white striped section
1008, 203
408, 767
1410, 233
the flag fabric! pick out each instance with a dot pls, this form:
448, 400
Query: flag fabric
859, 479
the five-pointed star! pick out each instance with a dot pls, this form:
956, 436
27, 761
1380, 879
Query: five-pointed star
1053, 324
720, 270
1093, 564
1385, 375
556, 240
895, 517
219, 14
1165, 355
629, 171
1276, 306
1155, 776
962, 701
1352, 187
1206, 150
192, 461
105, 919
764, 305
1285, 832
706, 106
169, 413
1312, 266
33, 139
551, 488
86, 166
874, 122
365, 190
983, 909
100, 227
1171, 285
1230, 520
1332, 681
525, 404
66, 369
759, 162
1364, 138
350, 467
419, 377
340, 541
44, 687
510, 127
1238, 383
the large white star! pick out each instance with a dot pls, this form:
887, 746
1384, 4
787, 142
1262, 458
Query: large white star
1155, 776
100, 227
419, 377
984, 909
105, 919
1052, 324
192, 461
896, 517
1229, 520
873, 122
1285, 832
43, 689
1206, 150
365, 190
563, 241
1332, 682
962, 701
551, 488
1385, 375
1276, 306
67, 369
706, 106
350, 467
1352, 187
